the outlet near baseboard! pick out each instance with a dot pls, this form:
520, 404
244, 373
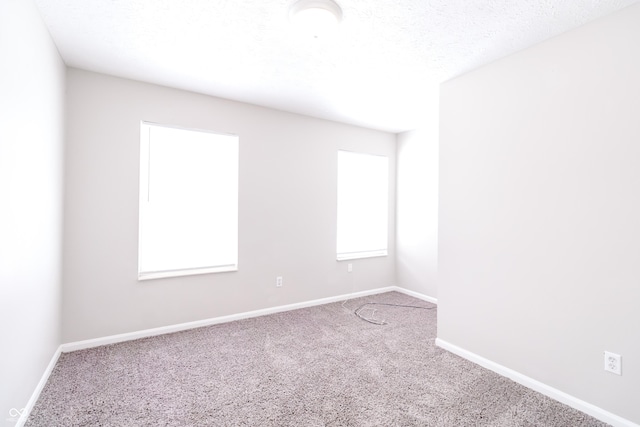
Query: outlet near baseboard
612, 363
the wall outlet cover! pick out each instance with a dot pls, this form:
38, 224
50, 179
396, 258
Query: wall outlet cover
612, 363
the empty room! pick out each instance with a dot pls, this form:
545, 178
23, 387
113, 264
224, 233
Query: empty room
319, 213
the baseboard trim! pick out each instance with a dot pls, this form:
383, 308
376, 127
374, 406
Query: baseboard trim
112, 339
538, 386
417, 295
36, 393
97, 342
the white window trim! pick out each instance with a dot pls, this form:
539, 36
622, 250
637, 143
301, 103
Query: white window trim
363, 254
187, 272
372, 253
150, 275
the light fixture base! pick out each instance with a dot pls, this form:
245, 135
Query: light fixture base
316, 17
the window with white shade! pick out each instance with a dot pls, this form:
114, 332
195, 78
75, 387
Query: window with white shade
188, 217
363, 205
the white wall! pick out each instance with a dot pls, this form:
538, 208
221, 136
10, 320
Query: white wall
417, 208
288, 166
539, 261
31, 145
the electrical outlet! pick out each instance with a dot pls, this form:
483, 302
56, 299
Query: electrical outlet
613, 363
279, 281
349, 268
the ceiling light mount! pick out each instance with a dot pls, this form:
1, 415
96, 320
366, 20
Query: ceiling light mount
317, 17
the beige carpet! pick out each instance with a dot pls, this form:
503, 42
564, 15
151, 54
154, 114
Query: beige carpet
320, 366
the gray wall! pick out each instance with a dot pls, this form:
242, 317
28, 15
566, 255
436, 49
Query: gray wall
539, 256
31, 147
417, 208
287, 209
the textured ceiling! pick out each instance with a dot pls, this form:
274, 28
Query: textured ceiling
380, 70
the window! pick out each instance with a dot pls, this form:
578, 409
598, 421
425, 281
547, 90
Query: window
188, 220
363, 205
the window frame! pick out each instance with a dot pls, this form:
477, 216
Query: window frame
368, 253
145, 141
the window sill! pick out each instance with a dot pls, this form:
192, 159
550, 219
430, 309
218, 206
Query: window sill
186, 272
358, 255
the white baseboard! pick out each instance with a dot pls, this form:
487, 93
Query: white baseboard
417, 295
80, 345
112, 339
549, 391
36, 393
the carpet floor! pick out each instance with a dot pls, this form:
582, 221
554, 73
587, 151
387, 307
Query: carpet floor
318, 366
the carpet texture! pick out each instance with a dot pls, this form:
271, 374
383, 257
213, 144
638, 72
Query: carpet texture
319, 366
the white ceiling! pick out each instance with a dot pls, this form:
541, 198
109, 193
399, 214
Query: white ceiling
380, 70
